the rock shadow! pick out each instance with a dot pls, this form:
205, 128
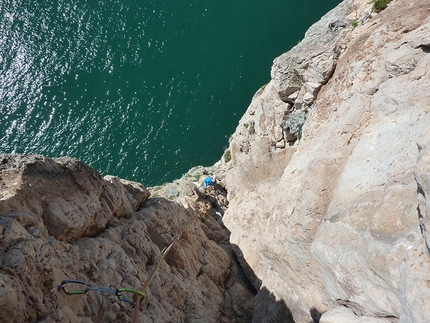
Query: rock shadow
266, 308
316, 315
269, 310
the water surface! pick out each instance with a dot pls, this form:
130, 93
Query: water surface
143, 90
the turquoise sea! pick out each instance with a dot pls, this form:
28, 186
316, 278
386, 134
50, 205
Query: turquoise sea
140, 89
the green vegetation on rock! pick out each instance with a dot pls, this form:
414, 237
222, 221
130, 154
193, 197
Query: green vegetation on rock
295, 122
227, 156
379, 5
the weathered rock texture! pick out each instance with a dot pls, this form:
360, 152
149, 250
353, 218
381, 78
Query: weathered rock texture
330, 218
59, 219
334, 222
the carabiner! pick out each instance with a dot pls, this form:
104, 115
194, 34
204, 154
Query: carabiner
126, 299
73, 281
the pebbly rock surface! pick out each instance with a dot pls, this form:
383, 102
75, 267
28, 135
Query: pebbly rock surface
59, 219
329, 178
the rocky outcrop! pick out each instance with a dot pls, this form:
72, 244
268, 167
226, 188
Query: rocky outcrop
328, 183
333, 217
67, 199
59, 219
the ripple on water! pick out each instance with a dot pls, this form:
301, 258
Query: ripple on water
141, 90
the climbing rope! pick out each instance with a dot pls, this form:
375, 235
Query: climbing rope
88, 287
151, 276
119, 291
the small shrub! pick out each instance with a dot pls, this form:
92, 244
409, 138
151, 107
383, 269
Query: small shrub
227, 156
354, 23
379, 5
295, 122
173, 193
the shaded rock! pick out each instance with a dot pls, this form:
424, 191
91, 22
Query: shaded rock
270, 309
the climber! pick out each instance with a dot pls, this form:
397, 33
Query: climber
208, 181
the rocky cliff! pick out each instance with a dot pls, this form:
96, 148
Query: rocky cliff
60, 220
328, 183
325, 188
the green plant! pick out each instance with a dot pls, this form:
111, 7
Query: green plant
354, 23
172, 194
379, 5
227, 156
200, 271
295, 122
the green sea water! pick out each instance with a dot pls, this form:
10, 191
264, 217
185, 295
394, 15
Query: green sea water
143, 90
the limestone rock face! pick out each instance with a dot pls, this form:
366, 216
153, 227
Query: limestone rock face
65, 199
337, 222
59, 219
301, 72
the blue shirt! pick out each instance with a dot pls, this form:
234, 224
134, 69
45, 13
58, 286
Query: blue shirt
207, 181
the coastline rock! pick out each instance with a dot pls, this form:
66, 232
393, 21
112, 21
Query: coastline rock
340, 216
325, 188
311, 63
